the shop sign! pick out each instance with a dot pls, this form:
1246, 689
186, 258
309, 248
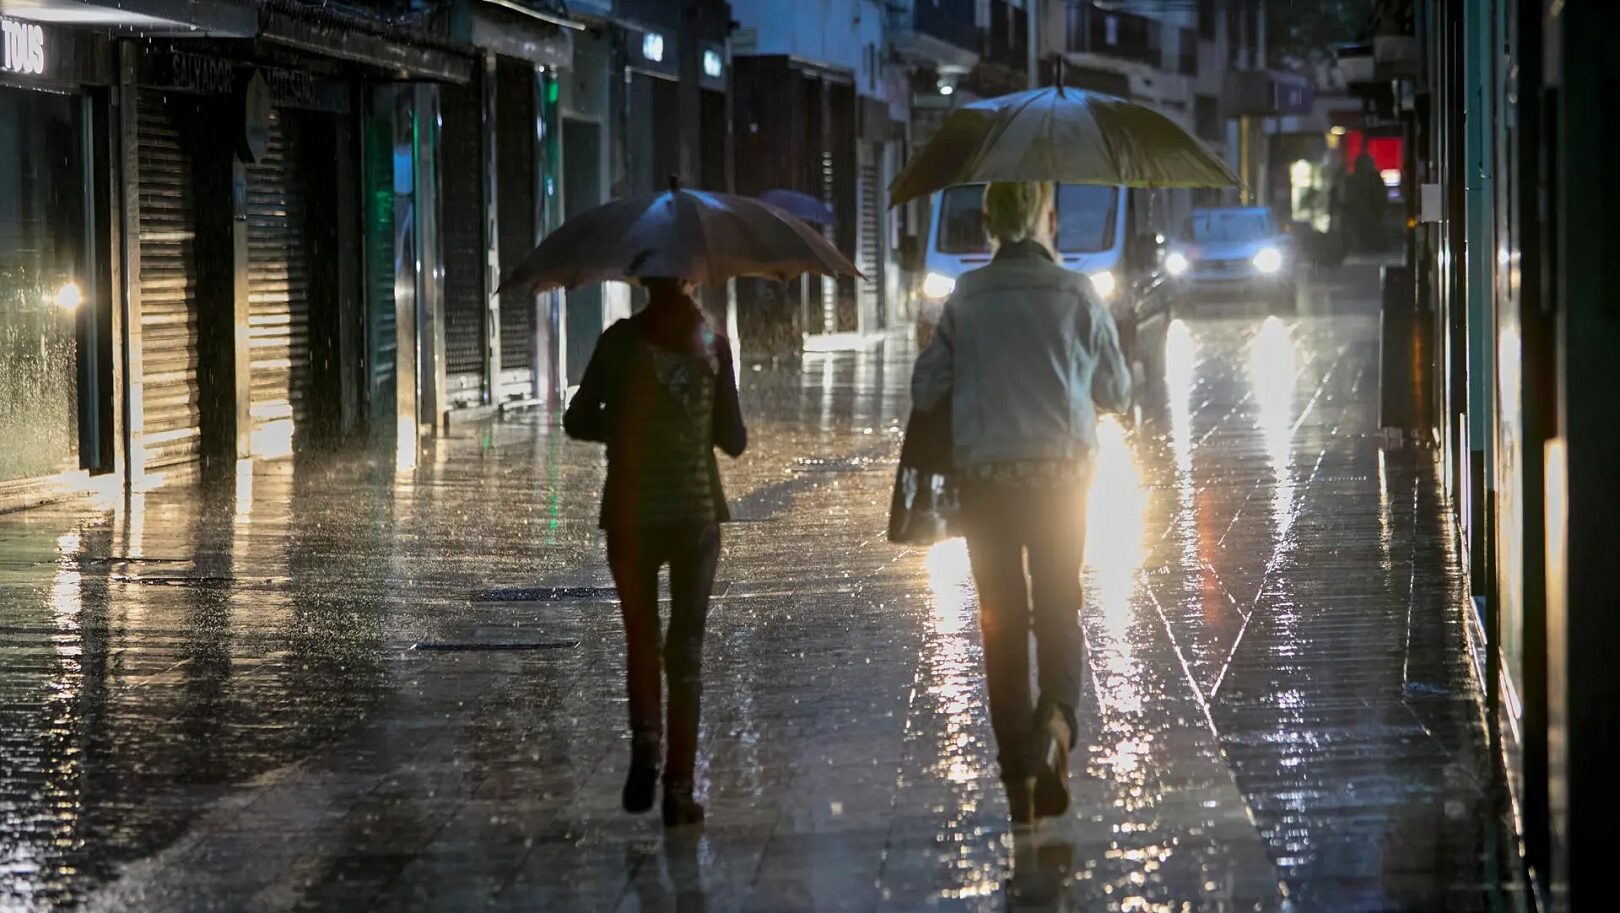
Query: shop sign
204, 75
652, 47
24, 47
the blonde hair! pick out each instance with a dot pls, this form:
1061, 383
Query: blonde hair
1015, 211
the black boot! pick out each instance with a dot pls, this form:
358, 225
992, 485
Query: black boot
641, 784
1020, 800
680, 808
1053, 736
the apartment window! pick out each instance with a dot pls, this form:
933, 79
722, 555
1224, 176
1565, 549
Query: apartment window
1206, 117
1187, 46
1206, 19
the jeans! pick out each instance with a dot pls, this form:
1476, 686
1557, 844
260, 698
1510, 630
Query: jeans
635, 557
1045, 521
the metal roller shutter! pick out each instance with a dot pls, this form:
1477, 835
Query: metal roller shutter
515, 141
278, 290
171, 426
869, 247
462, 229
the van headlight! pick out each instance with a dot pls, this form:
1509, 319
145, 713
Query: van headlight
1103, 281
1268, 260
1176, 263
938, 286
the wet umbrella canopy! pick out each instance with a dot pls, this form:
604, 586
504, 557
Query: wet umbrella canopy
799, 204
1060, 134
688, 234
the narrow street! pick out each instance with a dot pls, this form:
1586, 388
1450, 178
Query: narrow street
346, 684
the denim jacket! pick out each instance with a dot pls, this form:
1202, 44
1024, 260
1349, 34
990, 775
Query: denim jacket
1026, 356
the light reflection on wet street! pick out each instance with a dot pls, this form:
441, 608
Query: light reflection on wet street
211, 701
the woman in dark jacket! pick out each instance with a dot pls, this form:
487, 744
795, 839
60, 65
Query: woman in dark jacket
660, 392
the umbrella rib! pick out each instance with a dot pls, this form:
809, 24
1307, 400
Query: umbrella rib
1002, 126
702, 241
1108, 143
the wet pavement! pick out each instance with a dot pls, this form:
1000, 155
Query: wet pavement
356, 683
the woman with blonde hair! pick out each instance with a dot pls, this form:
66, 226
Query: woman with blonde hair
1024, 356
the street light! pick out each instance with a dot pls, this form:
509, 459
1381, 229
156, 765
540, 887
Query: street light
68, 297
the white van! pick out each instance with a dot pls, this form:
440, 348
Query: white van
1115, 235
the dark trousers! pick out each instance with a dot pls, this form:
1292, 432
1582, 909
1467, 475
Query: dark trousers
635, 557
1045, 522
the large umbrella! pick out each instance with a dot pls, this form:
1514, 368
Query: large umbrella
687, 234
799, 204
1060, 134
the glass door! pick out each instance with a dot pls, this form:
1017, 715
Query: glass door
45, 284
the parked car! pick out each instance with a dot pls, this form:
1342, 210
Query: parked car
1234, 252
1102, 232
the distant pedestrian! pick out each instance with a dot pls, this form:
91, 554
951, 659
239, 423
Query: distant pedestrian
1366, 200
1024, 355
660, 392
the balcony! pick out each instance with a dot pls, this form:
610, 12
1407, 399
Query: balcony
950, 21
1264, 93
1116, 35
1188, 53
1006, 41
939, 33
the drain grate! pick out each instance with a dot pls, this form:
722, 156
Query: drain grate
843, 464
195, 580
507, 646
544, 593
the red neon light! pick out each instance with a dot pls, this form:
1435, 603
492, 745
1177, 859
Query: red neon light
1388, 152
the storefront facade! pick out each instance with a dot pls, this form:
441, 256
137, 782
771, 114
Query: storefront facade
288, 228
673, 111
56, 292
239, 232
282, 245
813, 114
1510, 255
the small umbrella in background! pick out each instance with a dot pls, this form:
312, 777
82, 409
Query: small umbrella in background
799, 204
688, 234
1060, 134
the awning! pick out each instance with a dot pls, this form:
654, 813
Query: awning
395, 50
199, 18
915, 46
514, 30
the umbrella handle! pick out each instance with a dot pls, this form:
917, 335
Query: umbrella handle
674, 183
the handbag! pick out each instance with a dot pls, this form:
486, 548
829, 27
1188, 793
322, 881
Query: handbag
923, 509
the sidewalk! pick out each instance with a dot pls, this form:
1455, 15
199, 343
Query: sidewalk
211, 700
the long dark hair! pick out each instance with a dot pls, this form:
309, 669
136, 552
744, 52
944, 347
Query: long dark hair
675, 322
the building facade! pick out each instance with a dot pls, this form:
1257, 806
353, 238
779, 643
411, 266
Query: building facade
1511, 332
287, 229
236, 243
814, 114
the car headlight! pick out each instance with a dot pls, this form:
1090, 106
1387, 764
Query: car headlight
938, 286
1103, 281
1176, 263
1268, 260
